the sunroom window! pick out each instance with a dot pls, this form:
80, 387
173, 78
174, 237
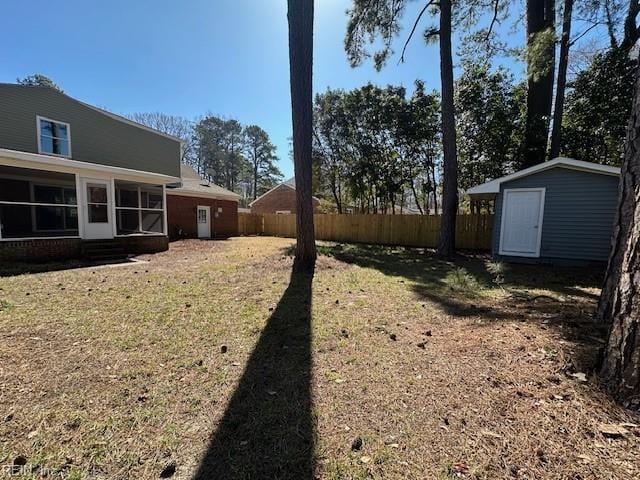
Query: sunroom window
54, 137
139, 208
34, 203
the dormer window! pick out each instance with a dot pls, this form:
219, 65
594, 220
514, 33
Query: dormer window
54, 138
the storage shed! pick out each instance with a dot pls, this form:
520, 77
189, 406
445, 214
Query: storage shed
557, 212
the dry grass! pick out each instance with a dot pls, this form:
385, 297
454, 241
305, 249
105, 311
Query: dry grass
442, 370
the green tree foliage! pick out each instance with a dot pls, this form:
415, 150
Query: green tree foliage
597, 109
38, 80
261, 154
219, 146
376, 150
490, 114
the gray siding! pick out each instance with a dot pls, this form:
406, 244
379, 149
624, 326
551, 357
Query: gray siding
95, 136
579, 212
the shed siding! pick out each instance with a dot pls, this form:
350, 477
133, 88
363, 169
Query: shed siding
95, 137
579, 212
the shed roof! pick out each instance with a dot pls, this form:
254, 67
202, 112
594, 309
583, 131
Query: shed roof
493, 187
194, 186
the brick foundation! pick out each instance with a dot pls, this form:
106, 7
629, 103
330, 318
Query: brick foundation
50, 249
145, 244
40, 250
181, 216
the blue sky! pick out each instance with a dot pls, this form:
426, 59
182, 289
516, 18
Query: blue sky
226, 57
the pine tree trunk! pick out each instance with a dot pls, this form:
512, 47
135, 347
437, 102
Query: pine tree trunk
620, 298
447, 244
540, 17
556, 130
300, 16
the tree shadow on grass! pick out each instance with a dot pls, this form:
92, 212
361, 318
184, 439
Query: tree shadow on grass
558, 296
267, 430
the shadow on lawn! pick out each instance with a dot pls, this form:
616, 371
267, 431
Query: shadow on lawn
267, 430
12, 269
457, 288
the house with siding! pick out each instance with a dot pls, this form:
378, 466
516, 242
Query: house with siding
77, 179
281, 199
199, 209
557, 212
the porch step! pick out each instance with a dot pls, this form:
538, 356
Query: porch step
103, 250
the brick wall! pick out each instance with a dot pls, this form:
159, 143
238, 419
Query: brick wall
40, 250
181, 215
281, 198
142, 244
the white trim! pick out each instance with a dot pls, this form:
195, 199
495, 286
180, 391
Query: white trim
35, 204
164, 204
493, 186
198, 194
543, 190
66, 165
39, 132
22, 239
80, 208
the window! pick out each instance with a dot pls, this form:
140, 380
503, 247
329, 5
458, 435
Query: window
139, 208
54, 137
34, 203
97, 203
50, 218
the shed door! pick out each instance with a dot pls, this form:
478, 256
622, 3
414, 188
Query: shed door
521, 227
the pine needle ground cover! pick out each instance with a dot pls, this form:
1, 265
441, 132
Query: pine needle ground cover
212, 361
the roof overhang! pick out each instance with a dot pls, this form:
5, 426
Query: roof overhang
490, 189
38, 161
199, 194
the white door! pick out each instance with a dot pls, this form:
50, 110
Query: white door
204, 222
97, 218
521, 225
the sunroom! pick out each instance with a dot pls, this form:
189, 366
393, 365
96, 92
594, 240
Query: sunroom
53, 208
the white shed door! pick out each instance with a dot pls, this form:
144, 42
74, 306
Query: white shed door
521, 226
204, 221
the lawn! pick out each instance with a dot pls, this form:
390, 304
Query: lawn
211, 360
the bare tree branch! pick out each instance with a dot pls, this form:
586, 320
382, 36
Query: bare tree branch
413, 30
494, 20
572, 42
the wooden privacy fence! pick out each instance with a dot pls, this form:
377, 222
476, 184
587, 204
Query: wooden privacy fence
250, 224
472, 231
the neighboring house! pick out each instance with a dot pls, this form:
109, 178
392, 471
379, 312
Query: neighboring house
280, 199
75, 178
560, 212
199, 209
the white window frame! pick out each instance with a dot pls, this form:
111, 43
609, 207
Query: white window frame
140, 209
34, 223
46, 119
33, 204
536, 254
